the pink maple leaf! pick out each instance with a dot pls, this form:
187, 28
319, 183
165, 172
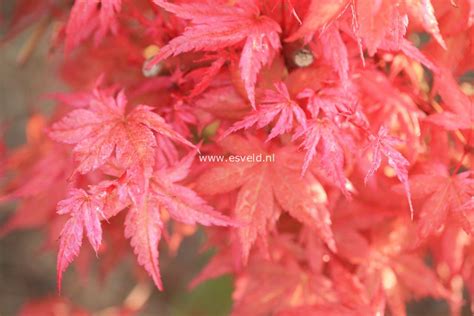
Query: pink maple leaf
226, 26
85, 214
266, 188
318, 15
423, 12
274, 103
382, 144
444, 197
90, 16
103, 128
320, 135
144, 224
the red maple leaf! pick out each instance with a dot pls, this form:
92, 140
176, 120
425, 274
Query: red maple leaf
103, 128
444, 196
321, 136
87, 17
458, 113
205, 76
264, 189
144, 225
85, 214
148, 199
382, 144
273, 104
335, 52
400, 272
318, 15
270, 286
423, 12
226, 26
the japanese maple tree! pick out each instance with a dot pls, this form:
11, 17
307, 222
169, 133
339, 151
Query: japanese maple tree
324, 147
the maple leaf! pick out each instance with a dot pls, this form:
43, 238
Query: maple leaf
41, 168
46, 172
442, 195
423, 12
276, 285
290, 206
264, 188
144, 225
182, 203
85, 214
44, 204
384, 25
411, 51
39, 165
335, 52
382, 144
273, 103
223, 102
89, 16
418, 277
206, 75
104, 128
318, 15
115, 195
353, 293
148, 198
398, 270
453, 97
225, 26
451, 121
408, 274
375, 21
269, 287
458, 114
322, 134
333, 101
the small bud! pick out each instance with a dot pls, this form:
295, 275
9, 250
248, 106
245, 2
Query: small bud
303, 57
153, 71
148, 53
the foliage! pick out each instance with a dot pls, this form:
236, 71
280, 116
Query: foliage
368, 127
